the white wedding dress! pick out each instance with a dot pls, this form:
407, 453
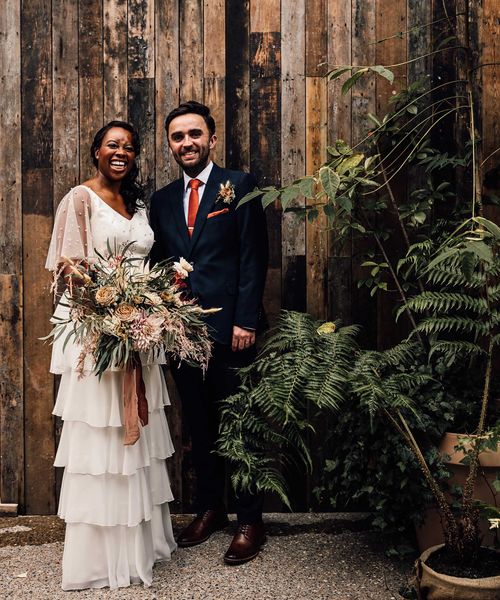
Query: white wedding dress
114, 498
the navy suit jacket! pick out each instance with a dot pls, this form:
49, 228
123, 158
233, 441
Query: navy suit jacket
229, 251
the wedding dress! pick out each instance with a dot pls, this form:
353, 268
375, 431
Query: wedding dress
114, 498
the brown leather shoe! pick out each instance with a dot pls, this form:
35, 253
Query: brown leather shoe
246, 543
202, 527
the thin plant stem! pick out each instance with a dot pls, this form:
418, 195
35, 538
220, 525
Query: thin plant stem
398, 286
490, 155
416, 28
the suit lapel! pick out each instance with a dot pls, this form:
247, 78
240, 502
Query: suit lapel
207, 202
178, 213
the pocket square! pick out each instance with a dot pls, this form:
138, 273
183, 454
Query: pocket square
217, 212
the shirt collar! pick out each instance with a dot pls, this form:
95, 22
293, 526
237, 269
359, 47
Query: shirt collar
203, 176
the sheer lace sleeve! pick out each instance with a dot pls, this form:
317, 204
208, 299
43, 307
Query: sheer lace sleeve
72, 234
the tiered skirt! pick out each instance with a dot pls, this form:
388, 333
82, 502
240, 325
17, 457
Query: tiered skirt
114, 498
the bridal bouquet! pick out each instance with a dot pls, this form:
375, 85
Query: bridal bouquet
117, 310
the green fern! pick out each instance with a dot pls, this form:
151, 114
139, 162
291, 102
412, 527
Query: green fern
266, 425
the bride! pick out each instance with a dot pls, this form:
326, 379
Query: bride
114, 498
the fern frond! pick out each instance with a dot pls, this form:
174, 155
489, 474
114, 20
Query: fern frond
454, 351
458, 325
443, 302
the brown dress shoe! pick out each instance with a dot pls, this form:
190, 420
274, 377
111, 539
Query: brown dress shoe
246, 543
202, 527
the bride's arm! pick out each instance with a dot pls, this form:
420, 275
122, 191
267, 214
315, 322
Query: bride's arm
71, 236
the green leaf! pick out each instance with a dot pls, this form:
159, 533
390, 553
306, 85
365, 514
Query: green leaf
329, 211
269, 197
384, 72
352, 80
368, 182
358, 227
420, 217
338, 72
493, 228
412, 109
332, 151
350, 163
307, 186
373, 118
289, 194
250, 196
481, 250
343, 148
312, 214
345, 203
330, 181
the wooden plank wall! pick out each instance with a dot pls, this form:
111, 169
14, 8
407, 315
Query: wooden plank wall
68, 66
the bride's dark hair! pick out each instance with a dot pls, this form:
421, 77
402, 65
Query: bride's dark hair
132, 190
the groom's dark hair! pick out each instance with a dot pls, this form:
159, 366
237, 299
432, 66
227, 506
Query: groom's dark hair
190, 107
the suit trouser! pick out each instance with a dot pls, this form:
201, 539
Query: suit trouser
200, 398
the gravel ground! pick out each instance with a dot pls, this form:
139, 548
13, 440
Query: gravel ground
307, 556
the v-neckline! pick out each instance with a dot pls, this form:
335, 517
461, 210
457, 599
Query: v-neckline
104, 202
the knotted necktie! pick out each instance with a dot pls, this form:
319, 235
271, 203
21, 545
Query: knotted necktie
194, 201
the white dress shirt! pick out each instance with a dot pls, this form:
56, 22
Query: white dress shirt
203, 177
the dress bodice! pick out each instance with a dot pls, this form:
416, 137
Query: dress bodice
85, 224
109, 225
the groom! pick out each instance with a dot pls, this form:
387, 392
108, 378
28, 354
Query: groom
196, 217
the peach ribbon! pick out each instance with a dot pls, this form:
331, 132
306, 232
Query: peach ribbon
135, 404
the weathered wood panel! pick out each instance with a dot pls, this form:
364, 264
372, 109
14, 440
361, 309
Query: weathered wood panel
363, 102
237, 85
36, 86
316, 99
115, 59
167, 84
265, 123
66, 167
90, 69
490, 58
11, 315
339, 285
293, 148
141, 93
214, 70
191, 50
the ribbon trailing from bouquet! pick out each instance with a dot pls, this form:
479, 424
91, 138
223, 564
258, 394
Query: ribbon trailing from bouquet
135, 404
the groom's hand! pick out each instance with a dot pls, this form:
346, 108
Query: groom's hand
242, 338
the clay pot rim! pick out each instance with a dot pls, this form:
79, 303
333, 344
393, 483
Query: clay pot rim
451, 578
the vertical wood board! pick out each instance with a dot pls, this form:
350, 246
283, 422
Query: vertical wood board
115, 18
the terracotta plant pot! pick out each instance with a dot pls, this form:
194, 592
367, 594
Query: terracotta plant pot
430, 532
432, 585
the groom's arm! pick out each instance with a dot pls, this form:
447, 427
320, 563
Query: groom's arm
253, 256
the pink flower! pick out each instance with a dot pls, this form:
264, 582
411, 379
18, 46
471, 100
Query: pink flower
146, 331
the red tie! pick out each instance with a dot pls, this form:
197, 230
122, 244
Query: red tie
194, 201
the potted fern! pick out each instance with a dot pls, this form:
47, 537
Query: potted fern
461, 320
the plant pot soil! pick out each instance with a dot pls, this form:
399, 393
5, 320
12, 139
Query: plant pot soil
430, 532
435, 585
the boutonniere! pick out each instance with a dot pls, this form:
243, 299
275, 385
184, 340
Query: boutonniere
226, 192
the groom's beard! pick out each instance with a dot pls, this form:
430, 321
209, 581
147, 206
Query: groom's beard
194, 166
